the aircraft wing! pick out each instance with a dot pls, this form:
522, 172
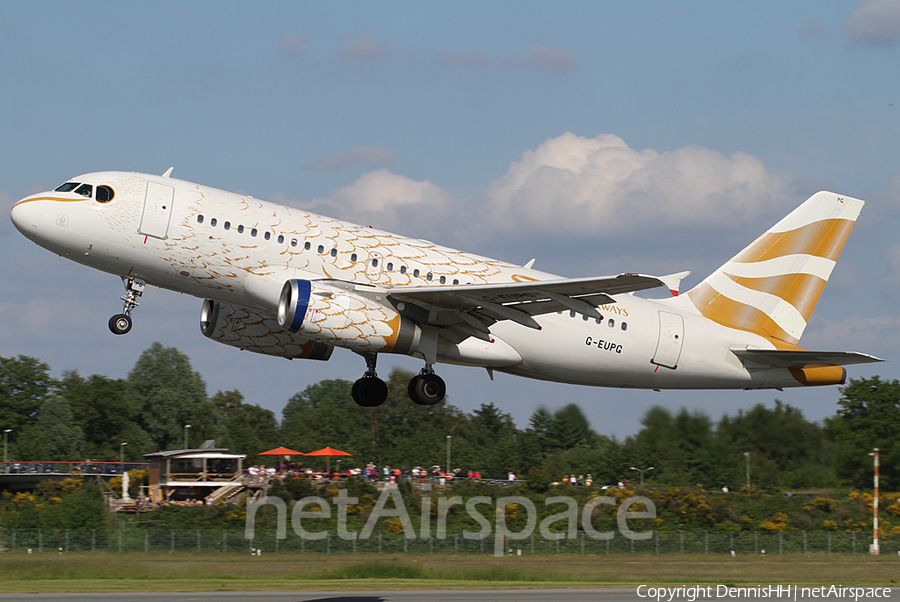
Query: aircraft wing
480, 305
799, 358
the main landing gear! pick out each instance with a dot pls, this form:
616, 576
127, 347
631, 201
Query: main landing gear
369, 391
134, 288
426, 389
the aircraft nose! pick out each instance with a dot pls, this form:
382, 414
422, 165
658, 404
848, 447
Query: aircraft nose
26, 215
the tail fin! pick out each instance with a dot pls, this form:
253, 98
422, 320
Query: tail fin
771, 287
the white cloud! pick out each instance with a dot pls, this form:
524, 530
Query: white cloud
291, 46
538, 57
551, 59
874, 23
597, 185
363, 49
372, 157
395, 203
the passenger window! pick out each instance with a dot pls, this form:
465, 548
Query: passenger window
402, 269
624, 326
612, 323
571, 313
375, 263
443, 279
599, 320
585, 317
253, 232
280, 238
353, 257
429, 276
293, 242
268, 235
213, 222
104, 194
455, 281
67, 187
390, 267
334, 252
306, 245
416, 273
85, 190
241, 229
227, 225
200, 219
321, 249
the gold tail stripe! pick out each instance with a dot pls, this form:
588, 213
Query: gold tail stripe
734, 314
800, 290
824, 238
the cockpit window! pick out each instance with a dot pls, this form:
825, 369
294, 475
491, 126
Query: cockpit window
85, 190
104, 194
68, 187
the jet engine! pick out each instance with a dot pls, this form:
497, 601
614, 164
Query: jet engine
256, 332
346, 319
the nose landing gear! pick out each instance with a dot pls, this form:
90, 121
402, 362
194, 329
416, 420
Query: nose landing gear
134, 288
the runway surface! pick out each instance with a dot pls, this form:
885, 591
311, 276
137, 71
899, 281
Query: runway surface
473, 595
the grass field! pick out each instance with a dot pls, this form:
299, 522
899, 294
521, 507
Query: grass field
188, 572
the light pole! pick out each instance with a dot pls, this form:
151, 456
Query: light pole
448, 453
186, 427
642, 473
6, 450
747, 458
875, 547
122, 452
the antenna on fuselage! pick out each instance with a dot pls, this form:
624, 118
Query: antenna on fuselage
168, 172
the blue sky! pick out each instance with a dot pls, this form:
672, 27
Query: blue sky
597, 137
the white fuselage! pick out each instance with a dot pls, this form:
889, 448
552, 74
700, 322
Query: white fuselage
239, 250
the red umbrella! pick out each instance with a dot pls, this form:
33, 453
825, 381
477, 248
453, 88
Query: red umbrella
328, 452
281, 451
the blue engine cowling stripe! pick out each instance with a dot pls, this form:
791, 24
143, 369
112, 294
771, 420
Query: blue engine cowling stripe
301, 304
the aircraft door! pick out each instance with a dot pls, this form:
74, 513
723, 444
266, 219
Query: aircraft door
157, 210
374, 265
671, 338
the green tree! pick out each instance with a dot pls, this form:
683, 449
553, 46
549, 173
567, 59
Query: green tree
568, 428
165, 391
62, 438
869, 417
784, 447
101, 408
25, 384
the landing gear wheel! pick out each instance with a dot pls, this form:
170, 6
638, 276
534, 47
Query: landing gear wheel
120, 324
369, 391
427, 389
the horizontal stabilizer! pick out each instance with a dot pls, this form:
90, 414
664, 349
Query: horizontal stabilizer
800, 358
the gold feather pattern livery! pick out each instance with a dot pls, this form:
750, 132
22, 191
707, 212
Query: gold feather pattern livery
771, 287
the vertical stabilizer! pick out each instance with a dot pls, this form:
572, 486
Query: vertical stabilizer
771, 287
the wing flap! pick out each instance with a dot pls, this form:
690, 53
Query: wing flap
789, 358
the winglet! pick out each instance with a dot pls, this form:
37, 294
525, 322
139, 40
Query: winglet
673, 281
168, 172
529, 265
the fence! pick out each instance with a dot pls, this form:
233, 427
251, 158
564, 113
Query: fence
232, 541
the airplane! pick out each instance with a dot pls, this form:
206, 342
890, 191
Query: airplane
283, 282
